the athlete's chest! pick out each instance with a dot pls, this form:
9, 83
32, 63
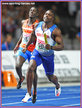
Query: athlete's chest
27, 29
40, 33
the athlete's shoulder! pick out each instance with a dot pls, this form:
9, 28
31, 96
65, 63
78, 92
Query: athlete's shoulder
53, 27
36, 23
39, 24
24, 21
57, 31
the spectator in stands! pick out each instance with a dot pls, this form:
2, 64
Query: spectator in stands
41, 11
10, 26
77, 21
12, 12
72, 8
57, 19
78, 36
4, 20
7, 45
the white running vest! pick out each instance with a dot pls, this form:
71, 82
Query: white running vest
40, 43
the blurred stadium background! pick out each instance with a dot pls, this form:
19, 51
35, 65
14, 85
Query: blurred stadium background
67, 17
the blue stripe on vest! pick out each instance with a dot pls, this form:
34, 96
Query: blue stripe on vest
53, 27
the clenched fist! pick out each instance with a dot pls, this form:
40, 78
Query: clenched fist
24, 50
47, 46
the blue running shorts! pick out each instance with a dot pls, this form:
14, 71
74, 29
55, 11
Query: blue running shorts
47, 61
25, 55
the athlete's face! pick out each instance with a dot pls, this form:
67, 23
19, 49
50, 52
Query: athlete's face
48, 16
32, 12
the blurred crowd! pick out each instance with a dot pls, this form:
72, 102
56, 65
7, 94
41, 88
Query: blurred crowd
67, 17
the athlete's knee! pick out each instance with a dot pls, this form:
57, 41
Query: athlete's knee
30, 72
31, 68
18, 65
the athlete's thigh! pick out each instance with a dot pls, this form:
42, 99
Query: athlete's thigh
20, 60
48, 64
22, 57
25, 55
36, 57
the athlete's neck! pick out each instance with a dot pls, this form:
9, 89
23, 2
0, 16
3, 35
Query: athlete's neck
47, 25
31, 21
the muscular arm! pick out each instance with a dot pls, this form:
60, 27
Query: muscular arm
57, 37
31, 39
17, 45
19, 41
78, 37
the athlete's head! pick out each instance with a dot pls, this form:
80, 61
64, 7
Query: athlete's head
49, 16
33, 12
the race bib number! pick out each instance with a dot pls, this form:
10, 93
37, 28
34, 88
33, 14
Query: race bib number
25, 39
41, 46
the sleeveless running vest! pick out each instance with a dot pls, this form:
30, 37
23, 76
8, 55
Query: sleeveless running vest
27, 30
40, 43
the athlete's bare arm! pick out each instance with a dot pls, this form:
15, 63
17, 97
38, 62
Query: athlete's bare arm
31, 39
57, 37
18, 43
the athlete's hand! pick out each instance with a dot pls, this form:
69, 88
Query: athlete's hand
24, 50
15, 49
47, 46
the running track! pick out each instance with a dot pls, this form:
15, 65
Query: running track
70, 96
